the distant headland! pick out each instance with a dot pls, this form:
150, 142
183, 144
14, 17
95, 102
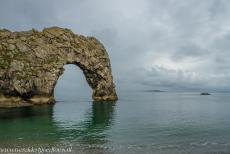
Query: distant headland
153, 91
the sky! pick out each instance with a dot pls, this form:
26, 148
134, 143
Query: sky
153, 44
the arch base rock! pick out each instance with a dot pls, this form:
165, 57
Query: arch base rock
31, 63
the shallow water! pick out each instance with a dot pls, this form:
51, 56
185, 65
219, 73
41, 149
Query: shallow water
140, 122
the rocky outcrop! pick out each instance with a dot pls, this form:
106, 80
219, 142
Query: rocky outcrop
31, 63
205, 94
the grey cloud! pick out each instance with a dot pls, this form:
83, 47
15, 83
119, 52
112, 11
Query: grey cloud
152, 43
25, 14
184, 80
188, 51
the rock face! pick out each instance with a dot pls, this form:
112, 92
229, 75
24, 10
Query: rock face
32, 61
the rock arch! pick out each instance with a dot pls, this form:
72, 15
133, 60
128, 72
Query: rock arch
32, 61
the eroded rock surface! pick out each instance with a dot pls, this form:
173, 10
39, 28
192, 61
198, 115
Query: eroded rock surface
32, 61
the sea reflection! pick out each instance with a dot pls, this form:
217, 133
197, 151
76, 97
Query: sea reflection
24, 112
100, 119
45, 125
90, 128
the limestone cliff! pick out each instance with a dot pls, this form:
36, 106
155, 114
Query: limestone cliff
32, 61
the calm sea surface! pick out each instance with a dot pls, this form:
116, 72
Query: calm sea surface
139, 123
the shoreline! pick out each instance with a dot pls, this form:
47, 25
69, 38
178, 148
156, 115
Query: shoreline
11, 102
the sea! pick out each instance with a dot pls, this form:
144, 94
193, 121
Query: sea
138, 123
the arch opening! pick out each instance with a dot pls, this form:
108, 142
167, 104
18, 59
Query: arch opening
72, 85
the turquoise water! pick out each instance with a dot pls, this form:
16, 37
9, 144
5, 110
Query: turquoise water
140, 122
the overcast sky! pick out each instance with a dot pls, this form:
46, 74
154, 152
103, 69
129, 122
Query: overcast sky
153, 44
